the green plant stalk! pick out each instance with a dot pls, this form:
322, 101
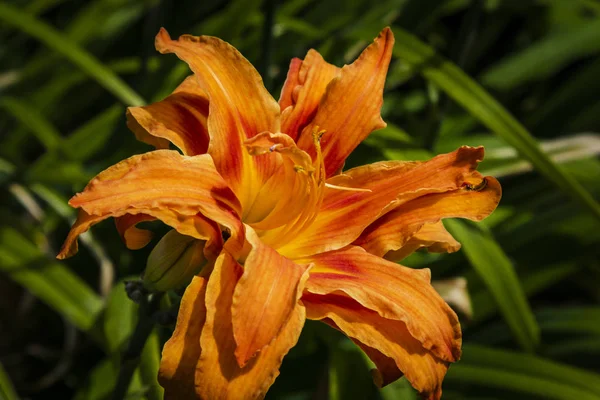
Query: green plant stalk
132, 355
77, 55
492, 114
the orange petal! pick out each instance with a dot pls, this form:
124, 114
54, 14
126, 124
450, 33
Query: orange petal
383, 340
344, 214
264, 298
350, 109
394, 229
286, 97
180, 119
133, 237
164, 185
302, 92
432, 236
240, 107
218, 375
393, 291
182, 351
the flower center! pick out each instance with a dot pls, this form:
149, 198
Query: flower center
291, 198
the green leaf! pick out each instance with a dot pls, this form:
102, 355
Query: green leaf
546, 57
480, 104
399, 389
580, 320
120, 318
495, 269
77, 55
483, 301
92, 136
348, 373
580, 346
7, 391
523, 373
48, 280
101, 381
35, 121
149, 366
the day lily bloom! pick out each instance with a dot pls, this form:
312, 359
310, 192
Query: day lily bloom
285, 234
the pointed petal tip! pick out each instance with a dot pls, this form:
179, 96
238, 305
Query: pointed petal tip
387, 33
162, 37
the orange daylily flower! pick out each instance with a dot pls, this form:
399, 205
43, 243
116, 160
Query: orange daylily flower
304, 240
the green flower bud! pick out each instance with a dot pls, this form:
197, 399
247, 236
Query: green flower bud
173, 262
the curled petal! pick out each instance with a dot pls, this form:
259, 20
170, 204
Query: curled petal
180, 119
432, 236
218, 374
387, 342
350, 108
393, 291
292, 80
302, 92
164, 185
264, 298
383, 187
240, 108
395, 229
133, 237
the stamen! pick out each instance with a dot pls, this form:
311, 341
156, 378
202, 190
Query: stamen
349, 189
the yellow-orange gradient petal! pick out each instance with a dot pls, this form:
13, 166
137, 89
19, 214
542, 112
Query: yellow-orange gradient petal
302, 92
432, 236
393, 291
350, 108
180, 354
395, 228
180, 119
240, 107
264, 298
134, 237
218, 375
164, 185
344, 214
378, 337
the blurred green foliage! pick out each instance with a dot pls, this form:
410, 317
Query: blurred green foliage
464, 72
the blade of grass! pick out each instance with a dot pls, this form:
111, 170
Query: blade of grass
496, 270
533, 283
50, 281
7, 391
74, 53
492, 114
524, 373
544, 58
35, 121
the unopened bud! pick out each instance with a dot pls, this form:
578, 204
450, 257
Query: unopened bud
174, 262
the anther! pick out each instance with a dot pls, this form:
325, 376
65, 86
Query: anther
480, 186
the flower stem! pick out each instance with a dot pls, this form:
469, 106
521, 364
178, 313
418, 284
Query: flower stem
131, 357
